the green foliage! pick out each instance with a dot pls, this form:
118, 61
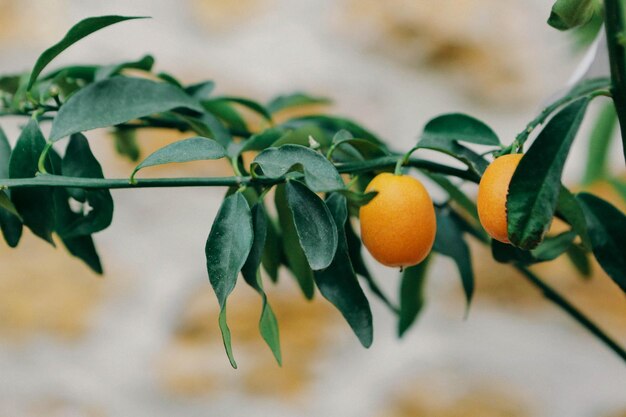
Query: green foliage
318, 167
567, 14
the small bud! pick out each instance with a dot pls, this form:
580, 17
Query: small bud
313, 144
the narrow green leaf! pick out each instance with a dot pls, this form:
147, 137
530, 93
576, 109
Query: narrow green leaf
449, 241
260, 141
601, 135
315, 227
608, 240
319, 174
191, 149
505, 253
474, 161
272, 253
77, 32
412, 295
117, 100
567, 14
210, 126
36, 205
227, 249
358, 263
249, 104
80, 162
580, 260
569, 209
107, 71
226, 112
338, 283
297, 99
459, 127
455, 194
296, 259
308, 135
7, 204
334, 124
553, 247
10, 224
126, 143
170, 79
535, 186
200, 90
268, 326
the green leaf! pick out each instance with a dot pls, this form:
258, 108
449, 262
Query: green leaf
80, 162
474, 161
260, 141
569, 209
10, 83
319, 174
314, 224
455, 194
170, 79
459, 127
306, 135
619, 186
553, 247
268, 326
250, 104
601, 135
107, 71
126, 143
10, 224
364, 149
226, 112
210, 126
200, 90
191, 149
505, 253
7, 204
536, 184
333, 124
358, 263
272, 253
35, 205
227, 249
567, 14
117, 100
84, 248
608, 240
449, 241
580, 260
294, 254
297, 99
412, 295
338, 282
77, 32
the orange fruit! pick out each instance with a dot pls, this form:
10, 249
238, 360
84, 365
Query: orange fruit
398, 226
492, 193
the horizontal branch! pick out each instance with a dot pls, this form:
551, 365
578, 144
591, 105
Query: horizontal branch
46, 180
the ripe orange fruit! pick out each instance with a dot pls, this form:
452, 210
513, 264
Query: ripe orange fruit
398, 226
492, 193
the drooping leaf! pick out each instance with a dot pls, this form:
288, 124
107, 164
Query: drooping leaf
107, 71
474, 161
334, 124
272, 253
249, 104
226, 112
412, 295
553, 247
262, 140
117, 100
358, 263
580, 259
80, 30
606, 232
84, 248
314, 224
297, 99
191, 149
268, 326
210, 126
536, 184
36, 205
505, 253
459, 127
126, 143
201, 90
600, 138
319, 174
227, 249
363, 148
294, 255
569, 209
455, 194
80, 162
450, 242
338, 282
567, 14
10, 224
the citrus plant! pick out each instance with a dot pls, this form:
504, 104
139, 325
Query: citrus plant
324, 172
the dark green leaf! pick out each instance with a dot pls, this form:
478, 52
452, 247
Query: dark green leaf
260, 141
412, 295
580, 260
567, 14
226, 112
449, 241
227, 249
505, 253
315, 227
272, 254
601, 135
200, 90
126, 143
10, 224
308, 135
356, 198
10, 83
358, 263
80, 162
117, 100
536, 184
294, 255
107, 71
319, 174
455, 194
84, 248
553, 247
210, 126
474, 161
36, 205
338, 283
459, 127
608, 240
77, 32
334, 124
363, 148
568, 208
297, 99
7, 204
250, 104
170, 79
268, 325
192, 149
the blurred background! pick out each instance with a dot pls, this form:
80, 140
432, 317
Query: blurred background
143, 340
